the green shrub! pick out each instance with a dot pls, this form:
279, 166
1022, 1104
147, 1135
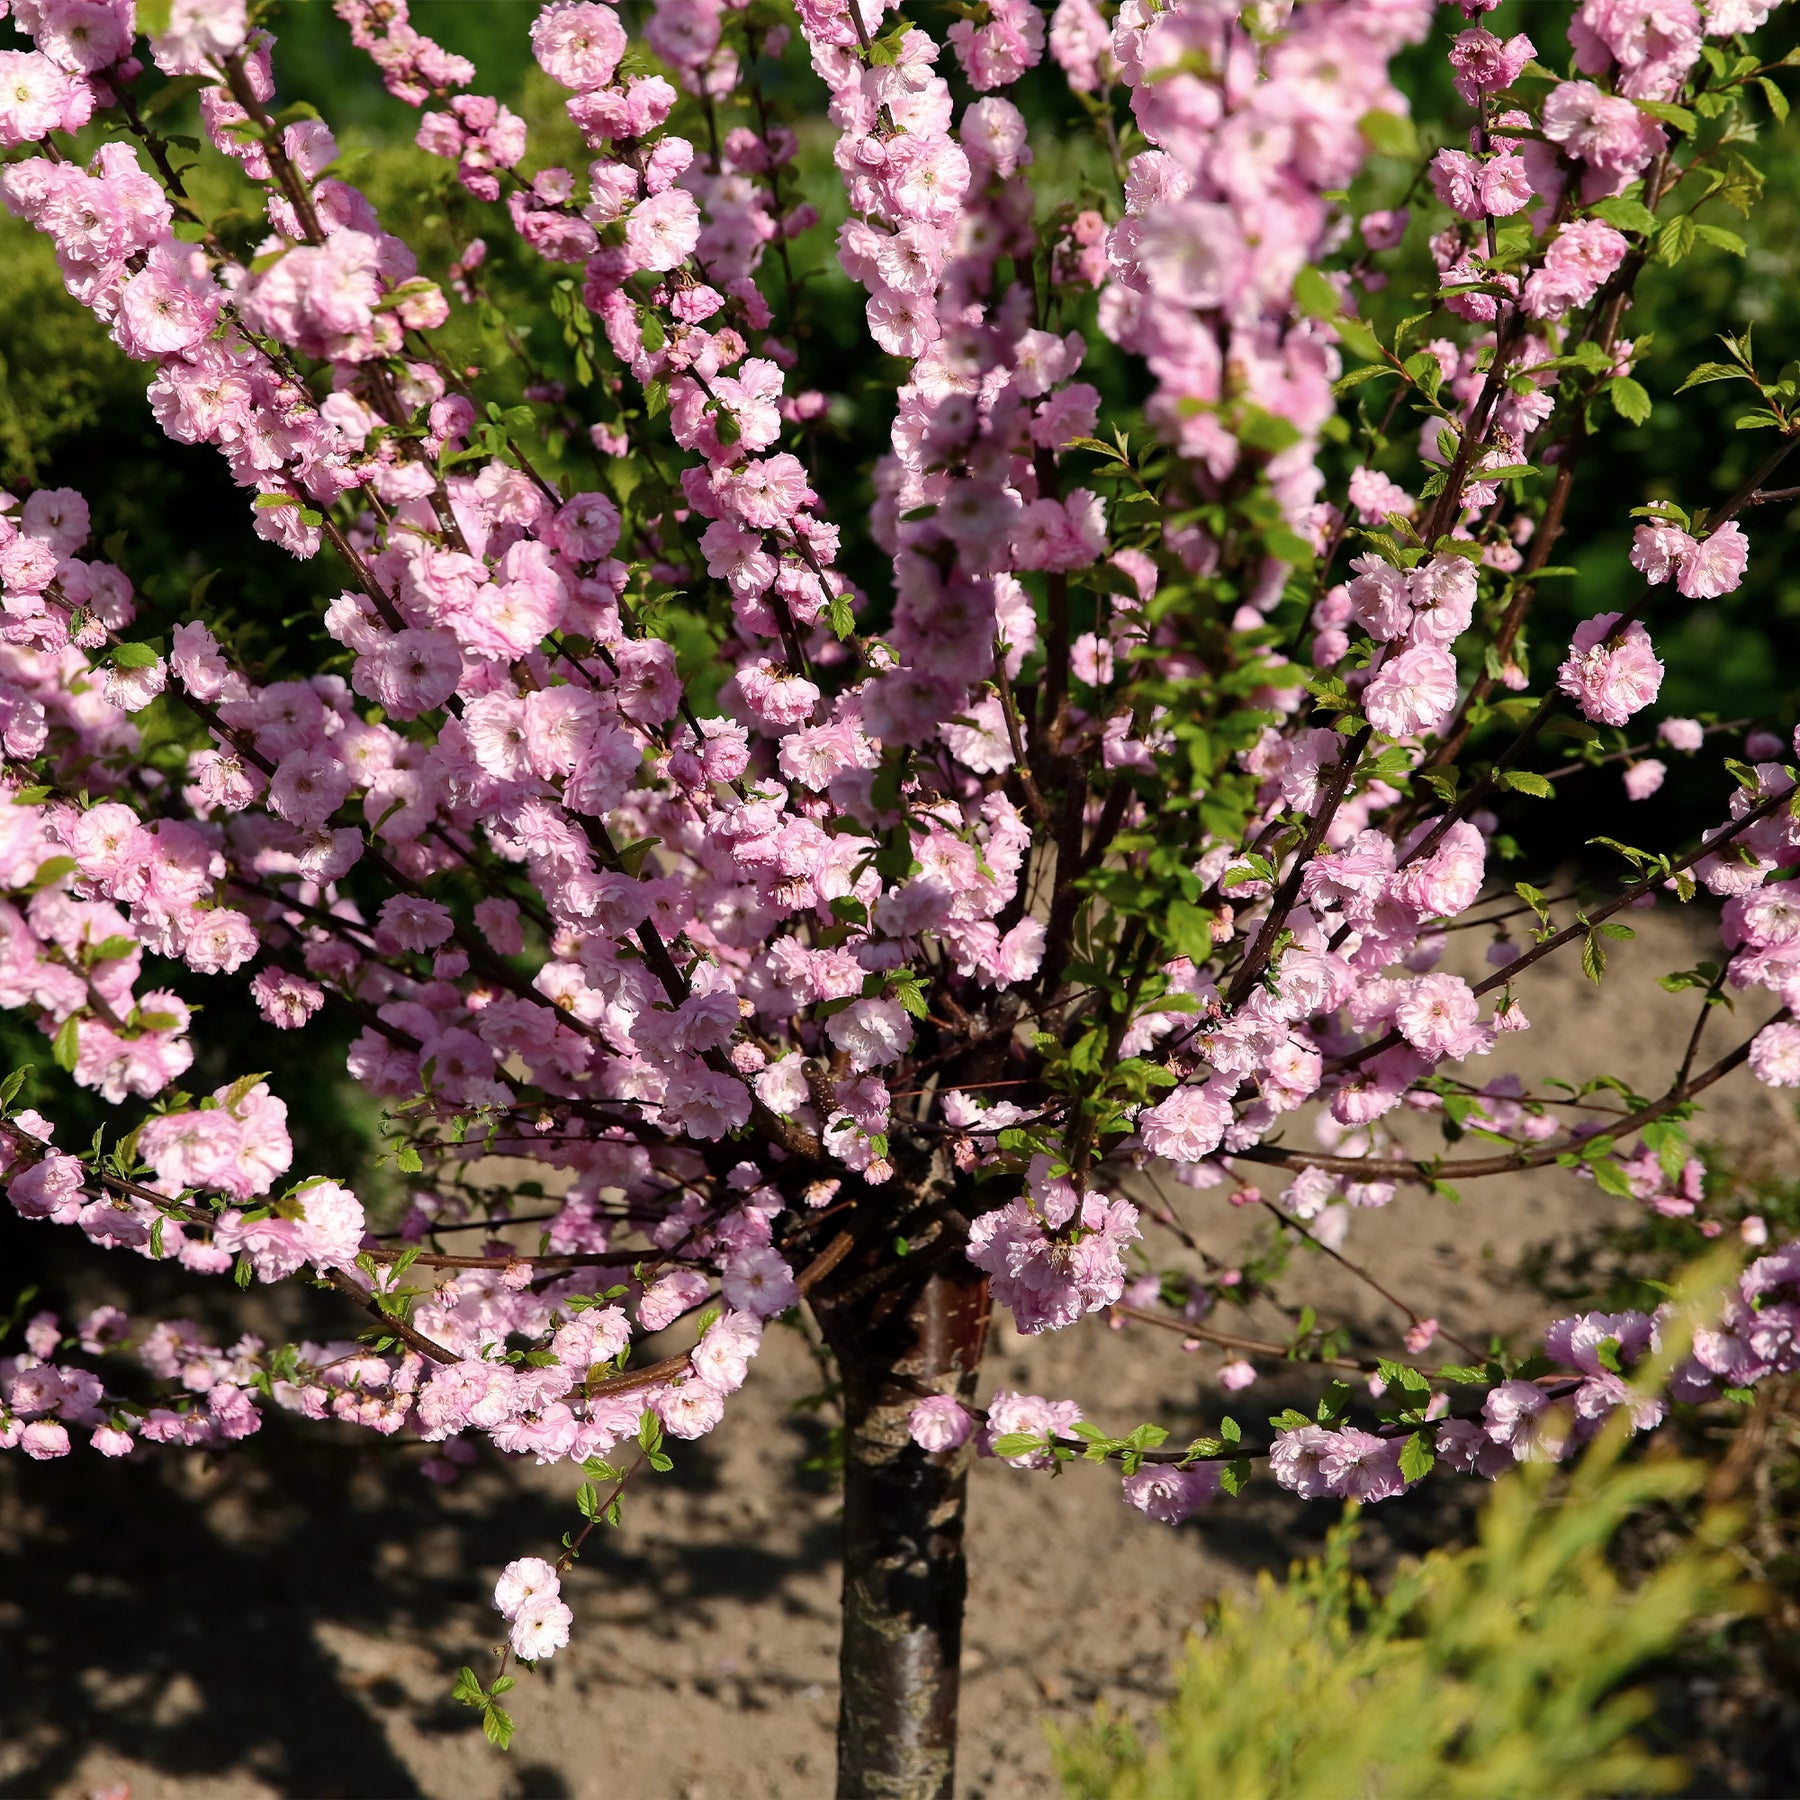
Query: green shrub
1492, 1671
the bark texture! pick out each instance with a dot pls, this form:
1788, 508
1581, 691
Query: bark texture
905, 1575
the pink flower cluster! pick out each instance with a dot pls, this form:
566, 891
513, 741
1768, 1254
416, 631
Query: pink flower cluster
684, 961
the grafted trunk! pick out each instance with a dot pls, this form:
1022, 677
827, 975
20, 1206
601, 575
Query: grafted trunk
905, 1575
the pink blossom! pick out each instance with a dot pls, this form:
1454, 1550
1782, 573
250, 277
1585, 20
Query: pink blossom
36, 98
1582, 255
1412, 693
413, 923
1438, 1015
522, 1581
1610, 681
199, 33
578, 45
1644, 777
48, 1189
1011, 1414
1596, 128
540, 1628
669, 1296
871, 1031
759, 1281
1483, 63
1168, 1494
409, 673
1775, 1055
1188, 1126
1715, 565
1658, 551
661, 232
939, 1423
285, 1000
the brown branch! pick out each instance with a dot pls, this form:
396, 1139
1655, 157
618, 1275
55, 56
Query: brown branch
1429, 1171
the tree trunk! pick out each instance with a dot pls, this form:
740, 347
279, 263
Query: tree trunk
905, 1576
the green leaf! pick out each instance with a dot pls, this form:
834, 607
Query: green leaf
497, 1727
153, 16
239, 1091
1712, 371
1627, 215
631, 856
1314, 294
1629, 399
1018, 1443
1389, 134
1357, 338
135, 656
1524, 781
1416, 1458
656, 397
407, 1159
267, 502
1187, 930
1675, 240
1778, 102
112, 949
1721, 239
53, 870
1610, 1178
1426, 370
65, 1047
1357, 377
1593, 957
1677, 116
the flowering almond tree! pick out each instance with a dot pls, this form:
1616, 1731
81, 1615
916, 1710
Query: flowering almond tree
1122, 822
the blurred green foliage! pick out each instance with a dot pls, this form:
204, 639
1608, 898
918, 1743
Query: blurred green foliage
1492, 1672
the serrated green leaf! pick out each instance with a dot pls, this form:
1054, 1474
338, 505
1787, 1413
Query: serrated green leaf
1627, 215
1630, 400
1675, 240
1721, 239
1416, 1458
1677, 116
1712, 371
1525, 781
1610, 1178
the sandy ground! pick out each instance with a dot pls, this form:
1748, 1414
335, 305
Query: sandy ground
289, 1623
